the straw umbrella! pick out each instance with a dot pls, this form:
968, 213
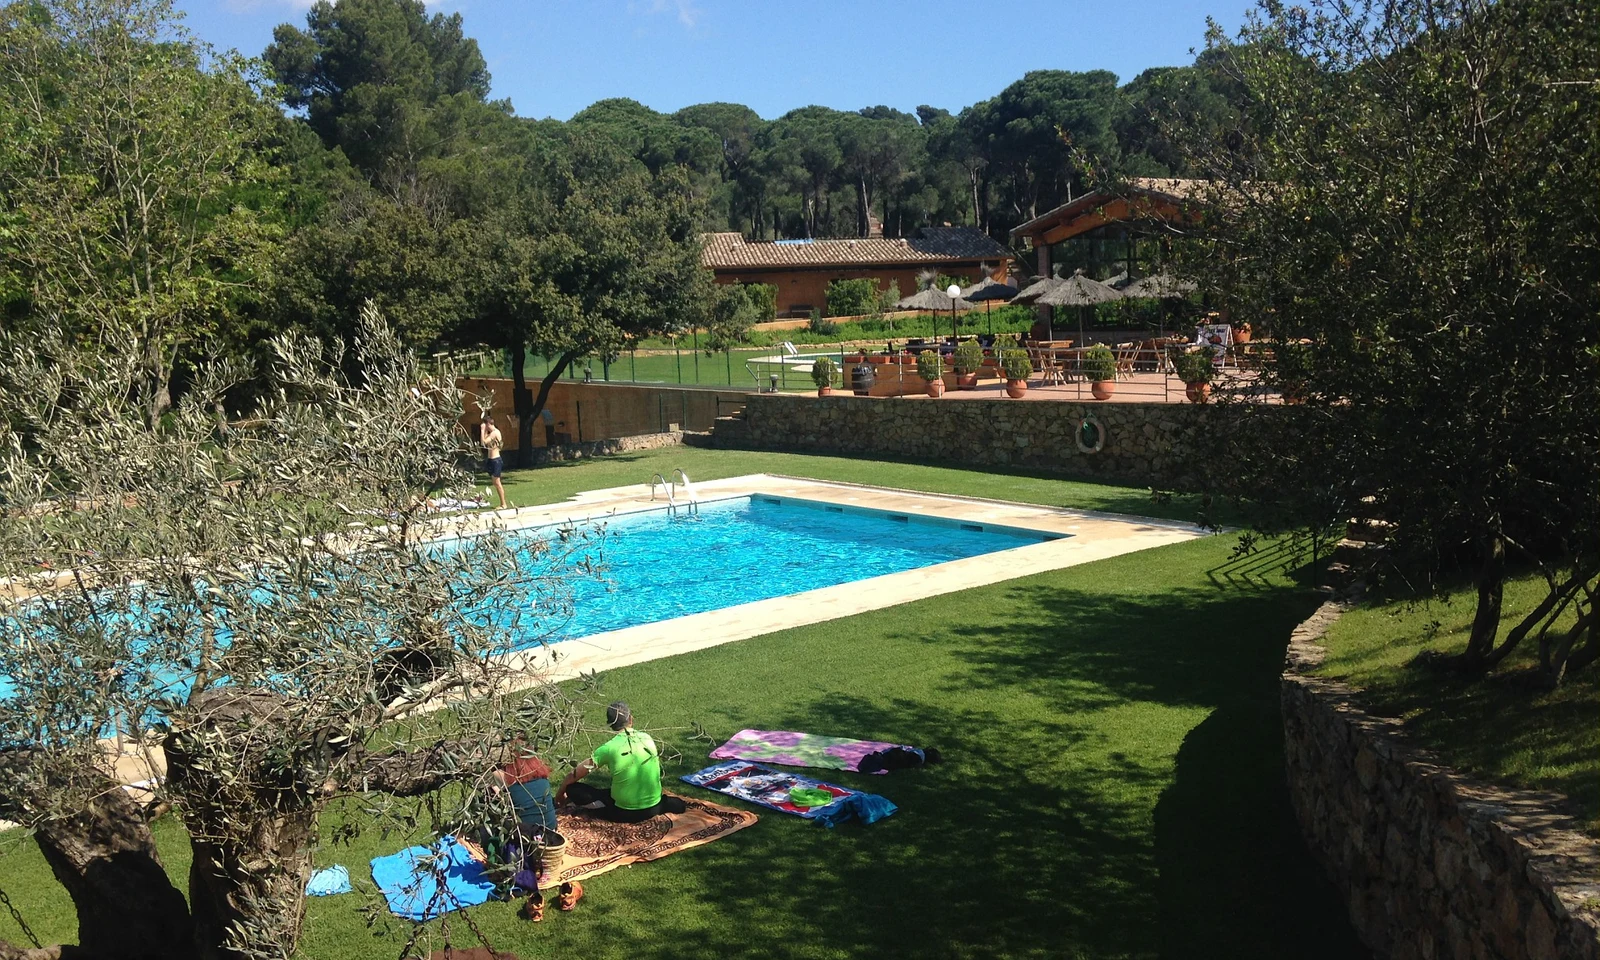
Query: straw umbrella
1077, 291
988, 290
1162, 286
935, 300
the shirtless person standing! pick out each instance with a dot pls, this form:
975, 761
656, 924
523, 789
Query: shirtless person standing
489, 436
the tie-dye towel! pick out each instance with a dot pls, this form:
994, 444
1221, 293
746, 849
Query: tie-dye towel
771, 788
803, 749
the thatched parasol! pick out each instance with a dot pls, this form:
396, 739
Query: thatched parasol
934, 300
1033, 291
1077, 291
988, 290
1162, 286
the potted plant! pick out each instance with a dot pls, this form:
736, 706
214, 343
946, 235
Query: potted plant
822, 371
1100, 369
1242, 332
1018, 368
1194, 367
968, 360
931, 369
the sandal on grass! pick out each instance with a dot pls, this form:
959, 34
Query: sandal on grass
569, 895
533, 907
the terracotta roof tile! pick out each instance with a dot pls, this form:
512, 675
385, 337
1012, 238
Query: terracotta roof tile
932, 245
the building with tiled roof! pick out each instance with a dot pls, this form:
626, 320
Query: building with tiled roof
802, 269
1114, 230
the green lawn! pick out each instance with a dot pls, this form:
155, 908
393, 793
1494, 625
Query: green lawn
1114, 784
558, 481
1495, 728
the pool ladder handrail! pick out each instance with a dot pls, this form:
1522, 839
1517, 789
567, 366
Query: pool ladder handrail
659, 481
671, 488
688, 488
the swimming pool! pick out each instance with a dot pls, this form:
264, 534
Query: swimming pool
655, 567
752, 548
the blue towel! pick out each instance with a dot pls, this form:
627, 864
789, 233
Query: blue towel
325, 883
866, 807
409, 880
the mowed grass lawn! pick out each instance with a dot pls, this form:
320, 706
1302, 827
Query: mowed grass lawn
1495, 727
1113, 784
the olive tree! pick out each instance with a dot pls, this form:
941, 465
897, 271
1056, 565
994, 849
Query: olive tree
264, 609
1417, 228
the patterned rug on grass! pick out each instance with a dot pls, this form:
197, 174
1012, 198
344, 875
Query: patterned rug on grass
794, 749
596, 846
763, 785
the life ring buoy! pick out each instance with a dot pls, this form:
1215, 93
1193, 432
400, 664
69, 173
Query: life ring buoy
1091, 435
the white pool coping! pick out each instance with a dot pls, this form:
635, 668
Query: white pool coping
1090, 536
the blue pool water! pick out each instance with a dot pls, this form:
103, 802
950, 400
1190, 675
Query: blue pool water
756, 548
657, 567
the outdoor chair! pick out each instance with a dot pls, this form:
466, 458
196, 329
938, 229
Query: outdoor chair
1047, 366
1126, 354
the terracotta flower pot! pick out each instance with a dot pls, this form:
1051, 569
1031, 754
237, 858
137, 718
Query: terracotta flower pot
1103, 389
824, 391
1016, 388
1241, 334
966, 381
1197, 392
935, 388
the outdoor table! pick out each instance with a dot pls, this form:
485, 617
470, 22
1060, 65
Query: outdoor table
1071, 360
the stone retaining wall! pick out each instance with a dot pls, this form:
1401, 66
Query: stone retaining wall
601, 448
1155, 444
1431, 863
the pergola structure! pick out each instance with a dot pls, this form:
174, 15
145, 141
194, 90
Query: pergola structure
1108, 231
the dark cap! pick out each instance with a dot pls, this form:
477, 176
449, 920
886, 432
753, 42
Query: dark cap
618, 715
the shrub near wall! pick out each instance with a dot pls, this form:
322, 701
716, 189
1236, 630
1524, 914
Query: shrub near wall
848, 298
1155, 444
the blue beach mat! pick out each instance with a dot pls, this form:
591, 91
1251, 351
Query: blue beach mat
409, 880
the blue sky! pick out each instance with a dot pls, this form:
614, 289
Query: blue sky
553, 59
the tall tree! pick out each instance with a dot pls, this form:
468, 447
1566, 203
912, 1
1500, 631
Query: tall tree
737, 129
384, 82
804, 149
1164, 109
122, 162
878, 148
1029, 131
652, 138
1421, 212
597, 253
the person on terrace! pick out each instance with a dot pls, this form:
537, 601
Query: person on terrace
635, 764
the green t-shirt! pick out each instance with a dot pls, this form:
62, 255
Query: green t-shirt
632, 758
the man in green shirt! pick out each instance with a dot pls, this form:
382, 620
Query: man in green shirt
635, 765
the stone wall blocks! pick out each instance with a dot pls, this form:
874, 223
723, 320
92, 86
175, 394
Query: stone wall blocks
1432, 864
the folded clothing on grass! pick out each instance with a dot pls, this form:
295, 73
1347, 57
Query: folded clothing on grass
794, 749
773, 788
421, 883
329, 881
